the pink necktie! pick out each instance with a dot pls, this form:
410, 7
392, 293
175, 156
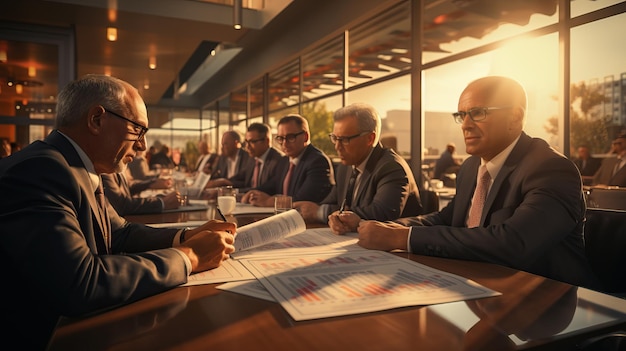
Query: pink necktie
288, 177
480, 195
255, 175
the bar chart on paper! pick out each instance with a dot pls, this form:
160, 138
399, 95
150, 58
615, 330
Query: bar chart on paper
320, 286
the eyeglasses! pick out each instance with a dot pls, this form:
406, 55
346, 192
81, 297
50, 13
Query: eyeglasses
139, 130
345, 140
476, 114
289, 137
247, 143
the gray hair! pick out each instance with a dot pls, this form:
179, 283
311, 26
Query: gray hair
77, 97
366, 116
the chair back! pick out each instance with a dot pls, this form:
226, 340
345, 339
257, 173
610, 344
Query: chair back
430, 201
605, 246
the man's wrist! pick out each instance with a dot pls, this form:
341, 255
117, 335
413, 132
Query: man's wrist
182, 234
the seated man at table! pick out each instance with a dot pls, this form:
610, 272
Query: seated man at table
372, 182
518, 202
64, 251
232, 159
612, 171
123, 194
305, 173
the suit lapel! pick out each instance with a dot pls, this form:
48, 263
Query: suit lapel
84, 181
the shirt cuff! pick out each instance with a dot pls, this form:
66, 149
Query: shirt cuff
322, 214
408, 240
177, 241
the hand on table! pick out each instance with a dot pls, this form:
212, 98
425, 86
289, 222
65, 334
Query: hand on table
258, 198
385, 236
208, 245
343, 222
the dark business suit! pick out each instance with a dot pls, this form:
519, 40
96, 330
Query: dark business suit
121, 195
243, 178
532, 219
221, 168
53, 250
387, 188
311, 179
605, 175
590, 167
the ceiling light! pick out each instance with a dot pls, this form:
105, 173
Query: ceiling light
237, 14
3, 55
19, 88
152, 62
32, 71
111, 33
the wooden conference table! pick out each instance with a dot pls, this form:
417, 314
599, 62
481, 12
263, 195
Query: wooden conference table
533, 313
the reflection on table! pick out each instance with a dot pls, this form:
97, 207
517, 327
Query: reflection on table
532, 313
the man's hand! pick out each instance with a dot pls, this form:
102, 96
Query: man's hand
171, 200
385, 236
308, 210
345, 222
208, 245
258, 198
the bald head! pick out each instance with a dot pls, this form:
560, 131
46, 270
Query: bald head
501, 103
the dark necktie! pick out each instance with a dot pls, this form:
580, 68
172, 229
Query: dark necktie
351, 184
255, 174
480, 195
288, 178
103, 216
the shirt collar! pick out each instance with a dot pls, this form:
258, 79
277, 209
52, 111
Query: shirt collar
495, 164
93, 176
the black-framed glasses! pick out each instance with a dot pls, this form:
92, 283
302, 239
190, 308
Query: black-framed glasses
345, 140
476, 114
247, 143
289, 137
138, 130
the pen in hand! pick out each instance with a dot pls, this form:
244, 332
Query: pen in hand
343, 206
220, 213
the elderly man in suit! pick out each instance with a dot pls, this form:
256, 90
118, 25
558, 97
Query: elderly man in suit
305, 173
612, 172
232, 159
372, 182
122, 192
518, 202
64, 251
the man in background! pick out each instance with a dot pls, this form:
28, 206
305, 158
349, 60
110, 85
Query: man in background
612, 171
305, 173
446, 163
372, 182
232, 159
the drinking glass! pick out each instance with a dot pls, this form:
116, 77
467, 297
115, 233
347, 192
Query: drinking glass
227, 199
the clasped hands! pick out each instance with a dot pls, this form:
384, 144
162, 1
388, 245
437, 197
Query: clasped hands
374, 235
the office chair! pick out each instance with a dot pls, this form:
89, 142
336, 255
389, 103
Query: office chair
605, 246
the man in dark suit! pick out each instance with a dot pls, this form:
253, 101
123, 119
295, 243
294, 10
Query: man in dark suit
232, 160
261, 164
372, 182
612, 172
64, 251
311, 176
586, 163
123, 194
518, 202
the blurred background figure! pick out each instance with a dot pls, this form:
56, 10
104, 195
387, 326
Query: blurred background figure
446, 164
587, 164
139, 168
5, 148
163, 159
612, 171
206, 159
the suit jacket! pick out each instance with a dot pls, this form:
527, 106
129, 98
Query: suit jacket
221, 168
53, 247
139, 168
311, 180
121, 195
243, 178
532, 219
605, 175
386, 192
591, 166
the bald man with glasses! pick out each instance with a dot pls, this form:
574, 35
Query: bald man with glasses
518, 203
372, 182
